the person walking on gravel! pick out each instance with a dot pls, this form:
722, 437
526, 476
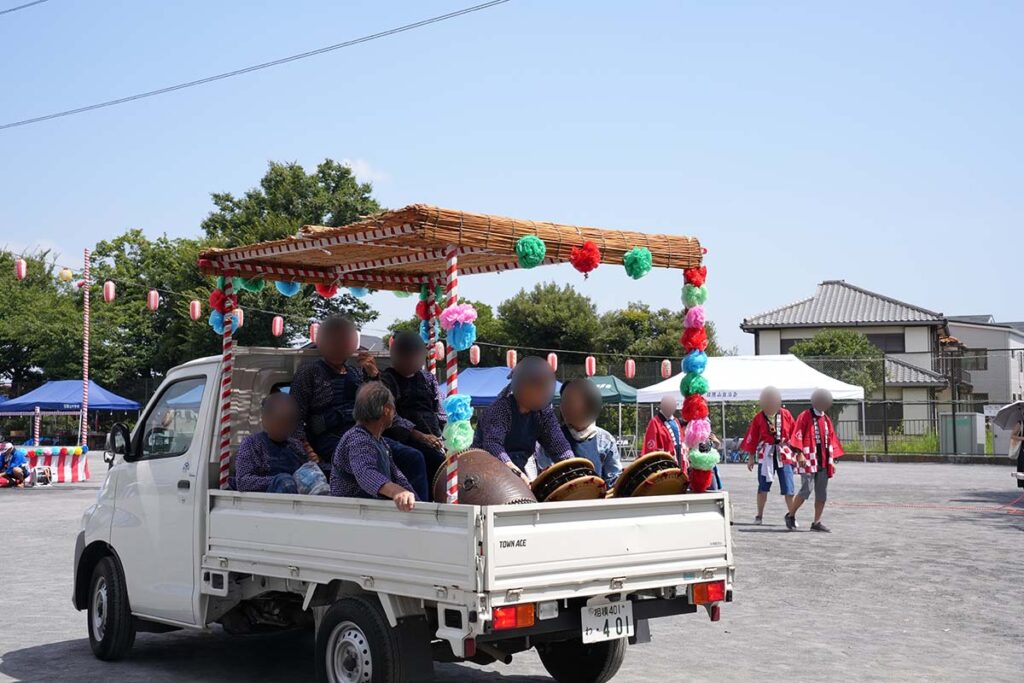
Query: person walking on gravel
817, 447
767, 446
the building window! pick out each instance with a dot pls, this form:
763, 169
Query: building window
877, 418
975, 359
888, 343
979, 401
786, 344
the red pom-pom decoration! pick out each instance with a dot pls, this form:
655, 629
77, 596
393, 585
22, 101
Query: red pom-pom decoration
695, 276
423, 310
694, 408
694, 339
700, 480
585, 258
217, 300
326, 291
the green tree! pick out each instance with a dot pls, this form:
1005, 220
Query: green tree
639, 331
844, 355
550, 317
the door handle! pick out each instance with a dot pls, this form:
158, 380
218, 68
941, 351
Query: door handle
184, 484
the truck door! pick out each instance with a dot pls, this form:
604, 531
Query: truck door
153, 530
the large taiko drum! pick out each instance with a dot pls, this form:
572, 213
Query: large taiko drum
483, 480
654, 474
572, 479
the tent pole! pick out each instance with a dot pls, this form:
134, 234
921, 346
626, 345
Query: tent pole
83, 425
620, 421
864, 429
723, 423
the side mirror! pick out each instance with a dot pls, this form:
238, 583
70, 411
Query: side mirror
117, 442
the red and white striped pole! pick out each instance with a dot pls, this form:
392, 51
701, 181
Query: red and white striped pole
227, 364
452, 292
37, 421
432, 327
83, 425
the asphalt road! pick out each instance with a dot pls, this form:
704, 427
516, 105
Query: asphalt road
922, 579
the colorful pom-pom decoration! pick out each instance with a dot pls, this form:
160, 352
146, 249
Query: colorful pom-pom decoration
694, 317
695, 276
217, 300
458, 407
693, 383
590, 366
704, 460
288, 288
425, 331
20, 269
695, 339
530, 251
277, 326
638, 262
585, 258
423, 309
254, 285
402, 295
195, 309
462, 336
458, 436
694, 296
694, 408
424, 292
153, 300
629, 368
358, 292
326, 291
216, 321
474, 354
697, 432
65, 275
695, 361
459, 313
666, 368
553, 361
511, 358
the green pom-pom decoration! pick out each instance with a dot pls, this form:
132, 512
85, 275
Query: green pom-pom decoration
402, 295
254, 285
531, 251
638, 262
237, 284
692, 383
694, 296
458, 436
439, 293
703, 461
424, 292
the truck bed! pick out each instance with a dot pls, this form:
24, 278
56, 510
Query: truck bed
511, 553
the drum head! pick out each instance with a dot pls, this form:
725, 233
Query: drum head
642, 468
559, 482
663, 483
588, 487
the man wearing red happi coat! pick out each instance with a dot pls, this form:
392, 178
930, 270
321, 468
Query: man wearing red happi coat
665, 433
767, 443
817, 447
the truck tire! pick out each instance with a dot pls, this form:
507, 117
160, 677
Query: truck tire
355, 644
570, 661
111, 626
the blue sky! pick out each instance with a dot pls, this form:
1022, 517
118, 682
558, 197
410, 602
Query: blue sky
875, 142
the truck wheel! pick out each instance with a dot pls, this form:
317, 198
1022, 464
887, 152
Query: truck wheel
570, 661
355, 644
111, 626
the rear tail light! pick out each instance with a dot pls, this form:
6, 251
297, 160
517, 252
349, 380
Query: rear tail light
705, 593
514, 616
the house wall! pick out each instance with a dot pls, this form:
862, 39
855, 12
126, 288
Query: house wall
1003, 381
919, 340
916, 410
768, 342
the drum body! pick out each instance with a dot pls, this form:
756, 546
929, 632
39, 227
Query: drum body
654, 474
572, 479
483, 480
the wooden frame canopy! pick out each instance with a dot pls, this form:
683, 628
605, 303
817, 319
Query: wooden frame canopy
408, 247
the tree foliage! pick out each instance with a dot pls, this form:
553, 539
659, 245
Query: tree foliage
549, 317
844, 355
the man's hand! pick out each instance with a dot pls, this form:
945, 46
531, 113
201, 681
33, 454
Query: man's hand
404, 501
311, 454
428, 439
369, 364
750, 464
519, 472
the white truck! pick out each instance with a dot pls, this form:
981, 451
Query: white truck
386, 592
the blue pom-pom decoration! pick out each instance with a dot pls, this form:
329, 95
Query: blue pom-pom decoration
358, 292
217, 321
695, 362
458, 407
425, 331
85, 449
462, 336
288, 288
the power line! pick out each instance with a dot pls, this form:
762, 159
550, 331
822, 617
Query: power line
256, 67
25, 6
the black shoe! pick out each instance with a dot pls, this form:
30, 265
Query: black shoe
791, 522
818, 526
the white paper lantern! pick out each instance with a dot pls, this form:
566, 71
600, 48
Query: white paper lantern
195, 309
590, 366
277, 326
511, 358
630, 368
666, 369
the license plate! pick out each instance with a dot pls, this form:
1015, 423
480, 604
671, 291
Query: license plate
608, 621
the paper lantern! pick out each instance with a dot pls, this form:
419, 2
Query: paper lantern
590, 366
474, 354
666, 369
195, 309
630, 368
391, 340
20, 269
511, 358
359, 339
153, 300
313, 329
439, 350
109, 291
239, 316
553, 361
65, 275
277, 326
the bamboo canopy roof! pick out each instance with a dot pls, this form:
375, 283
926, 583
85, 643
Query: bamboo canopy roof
404, 248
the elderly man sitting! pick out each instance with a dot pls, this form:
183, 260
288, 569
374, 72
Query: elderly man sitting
363, 466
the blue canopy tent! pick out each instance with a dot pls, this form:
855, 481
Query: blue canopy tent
64, 397
484, 384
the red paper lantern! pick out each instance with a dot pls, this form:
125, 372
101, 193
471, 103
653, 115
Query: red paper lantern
630, 368
153, 300
666, 369
195, 309
511, 358
585, 258
239, 316
553, 361
439, 350
474, 354
277, 326
109, 291
326, 291
20, 269
590, 366
313, 329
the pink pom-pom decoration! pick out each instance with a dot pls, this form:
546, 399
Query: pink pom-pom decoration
511, 358
666, 368
109, 291
553, 361
697, 432
694, 317
277, 326
630, 368
313, 330
474, 354
459, 313
153, 300
20, 269
195, 309
590, 366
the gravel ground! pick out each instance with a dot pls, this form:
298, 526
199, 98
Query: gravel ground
922, 579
